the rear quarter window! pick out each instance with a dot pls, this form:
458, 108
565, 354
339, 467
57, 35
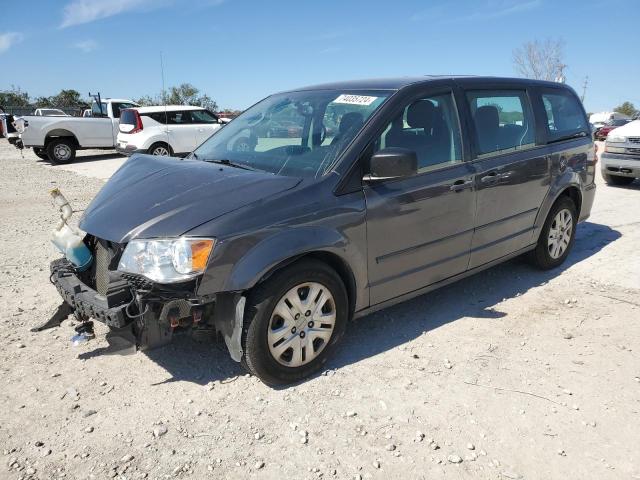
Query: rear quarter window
564, 115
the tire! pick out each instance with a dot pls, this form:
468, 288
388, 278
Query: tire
160, 149
550, 253
617, 179
262, 322
61, 150
41, 153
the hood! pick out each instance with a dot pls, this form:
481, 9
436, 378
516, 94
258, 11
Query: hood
631, 129
151, 196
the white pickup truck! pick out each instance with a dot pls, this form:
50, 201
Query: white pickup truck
58, 138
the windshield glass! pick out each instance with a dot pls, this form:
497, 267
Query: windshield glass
297, 134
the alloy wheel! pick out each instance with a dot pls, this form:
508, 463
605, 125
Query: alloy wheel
161, 151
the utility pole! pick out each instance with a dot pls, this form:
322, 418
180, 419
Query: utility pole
561, 78
584, 88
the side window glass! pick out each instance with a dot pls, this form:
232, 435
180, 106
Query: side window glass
429, 127
178, 118
503, 120
564, 115
203, 116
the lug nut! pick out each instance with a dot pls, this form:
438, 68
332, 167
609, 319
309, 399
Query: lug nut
310, 324
297, 316
307, 313
293, 330
302, 334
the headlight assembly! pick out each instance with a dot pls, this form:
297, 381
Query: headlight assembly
615, 139
167, 260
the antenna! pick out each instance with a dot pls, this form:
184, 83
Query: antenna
584, 88
164, 99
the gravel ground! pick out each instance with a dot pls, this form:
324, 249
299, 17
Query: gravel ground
512, 373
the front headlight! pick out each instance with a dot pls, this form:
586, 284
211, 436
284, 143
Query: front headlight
616, 139
167, 260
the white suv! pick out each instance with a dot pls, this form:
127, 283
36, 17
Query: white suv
620, 161
165, 130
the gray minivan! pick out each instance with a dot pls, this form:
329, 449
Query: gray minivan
384, 190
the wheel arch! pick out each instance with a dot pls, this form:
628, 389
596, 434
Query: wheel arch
281, 250
60, 132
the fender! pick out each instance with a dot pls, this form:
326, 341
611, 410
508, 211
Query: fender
288, 245
560, 184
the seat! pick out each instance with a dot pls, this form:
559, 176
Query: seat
348, 122
487, 120
428, 134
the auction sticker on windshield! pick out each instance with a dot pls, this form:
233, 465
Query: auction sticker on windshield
355, 99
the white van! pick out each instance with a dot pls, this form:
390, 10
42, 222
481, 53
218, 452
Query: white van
173, 130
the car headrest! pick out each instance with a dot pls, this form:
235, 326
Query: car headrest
350, 120
421, 114
487, 116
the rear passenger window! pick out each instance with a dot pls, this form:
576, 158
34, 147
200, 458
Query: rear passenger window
565, 117
430, 128
503, 120
178, 118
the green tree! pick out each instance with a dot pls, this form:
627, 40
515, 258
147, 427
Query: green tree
627, 108
147, 100
14, 97
67, 98
43, 102
187, 94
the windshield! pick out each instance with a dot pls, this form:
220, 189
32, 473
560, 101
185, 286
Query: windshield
298, 134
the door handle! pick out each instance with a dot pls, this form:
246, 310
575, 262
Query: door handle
460, 185
490, 177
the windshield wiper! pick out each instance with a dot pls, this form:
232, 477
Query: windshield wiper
569, 137
226, 161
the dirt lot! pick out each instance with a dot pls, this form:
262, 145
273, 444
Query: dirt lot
512, 373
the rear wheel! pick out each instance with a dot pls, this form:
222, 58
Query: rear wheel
61, 150
160, 149
293, 321
617, 179
41, 153
557, 235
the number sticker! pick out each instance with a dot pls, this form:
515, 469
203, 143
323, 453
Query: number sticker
355, 99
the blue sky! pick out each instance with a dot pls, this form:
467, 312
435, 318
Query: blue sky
239, 51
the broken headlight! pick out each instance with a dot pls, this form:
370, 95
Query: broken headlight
167, 260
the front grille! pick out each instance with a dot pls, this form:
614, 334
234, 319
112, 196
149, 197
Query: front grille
633, 139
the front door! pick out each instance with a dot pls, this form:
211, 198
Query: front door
512, 174
419, 228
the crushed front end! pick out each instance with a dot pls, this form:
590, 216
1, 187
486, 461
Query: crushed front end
135, 307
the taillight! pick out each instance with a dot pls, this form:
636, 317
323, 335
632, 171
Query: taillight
138, 127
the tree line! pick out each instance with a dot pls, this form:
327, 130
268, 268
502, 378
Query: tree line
183, 94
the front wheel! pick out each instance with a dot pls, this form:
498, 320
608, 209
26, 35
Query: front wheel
617, 180
293, 321
61, 150
557, 235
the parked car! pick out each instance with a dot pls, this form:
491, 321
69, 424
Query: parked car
165, 130
426, 181
49, 112
603, 131
620, 161
58, 139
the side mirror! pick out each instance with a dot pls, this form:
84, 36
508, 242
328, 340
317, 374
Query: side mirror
392, 162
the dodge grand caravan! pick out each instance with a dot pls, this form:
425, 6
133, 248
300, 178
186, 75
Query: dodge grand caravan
387, 190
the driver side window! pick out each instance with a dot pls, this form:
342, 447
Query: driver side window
428, 126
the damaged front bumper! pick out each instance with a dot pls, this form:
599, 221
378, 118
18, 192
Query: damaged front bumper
152, 312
